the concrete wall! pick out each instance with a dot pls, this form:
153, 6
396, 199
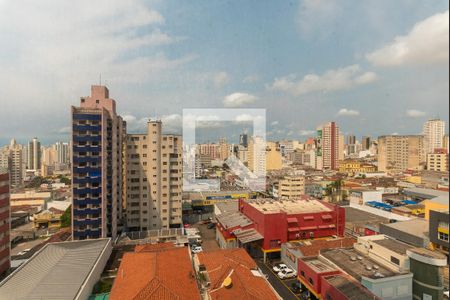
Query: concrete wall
396, 287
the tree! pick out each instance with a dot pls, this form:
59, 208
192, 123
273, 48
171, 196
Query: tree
66, 218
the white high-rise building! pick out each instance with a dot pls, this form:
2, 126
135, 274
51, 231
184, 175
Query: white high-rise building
34, 155
434, 132
11, 159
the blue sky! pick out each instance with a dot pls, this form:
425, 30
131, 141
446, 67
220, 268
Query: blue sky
374, 67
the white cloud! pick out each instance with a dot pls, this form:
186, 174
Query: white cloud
332, 80
306, 132
426, 43
238, 99
348, 112
414, 113
221, 79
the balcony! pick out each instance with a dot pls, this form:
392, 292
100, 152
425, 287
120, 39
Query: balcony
87, 201
85, 180
86, 211
90, 117
94, 172
87, 148
87, 127
93, 190
92, 222
87, 138
86, 159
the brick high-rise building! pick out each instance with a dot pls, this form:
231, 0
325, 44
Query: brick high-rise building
5, 257
97, 162
154, 179
400, 152
328, 146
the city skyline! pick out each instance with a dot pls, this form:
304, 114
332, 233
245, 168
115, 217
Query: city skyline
305, 70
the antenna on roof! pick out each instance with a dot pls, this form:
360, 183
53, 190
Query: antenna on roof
100, 79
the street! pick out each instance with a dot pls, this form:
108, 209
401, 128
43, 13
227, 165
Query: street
281, 286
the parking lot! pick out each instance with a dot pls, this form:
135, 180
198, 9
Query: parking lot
209, 242
281, 286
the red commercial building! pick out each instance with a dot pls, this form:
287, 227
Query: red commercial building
4, 223
343, 287
268, 223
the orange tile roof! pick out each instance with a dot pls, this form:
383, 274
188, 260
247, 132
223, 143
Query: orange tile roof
236, 264
160, 275
154, 247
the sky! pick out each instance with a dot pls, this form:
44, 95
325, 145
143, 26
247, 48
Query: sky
375, 67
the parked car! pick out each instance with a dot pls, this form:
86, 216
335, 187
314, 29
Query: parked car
24, 252
211, 225
280, 267
287, 273
197, 249
296, 287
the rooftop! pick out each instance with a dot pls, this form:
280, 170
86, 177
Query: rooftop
393, 245
270, 206
425, 193
57, 271
416, 227
236, 264
167, 275
355, 264
233, 219
349, 287
318, 265
231, 205
313, 247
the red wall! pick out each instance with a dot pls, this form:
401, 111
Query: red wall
310, 273
331, 291
4, 223
275, 226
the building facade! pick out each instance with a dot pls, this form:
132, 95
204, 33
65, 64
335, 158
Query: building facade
291, 187
154, 179
328, 146
439, 230
12, 159
97, 162
438, 160
400, 152
434, 132
34, 155
5, 256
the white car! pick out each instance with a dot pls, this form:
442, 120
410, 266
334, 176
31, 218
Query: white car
287, 273
24, 252
197, 249
280, 267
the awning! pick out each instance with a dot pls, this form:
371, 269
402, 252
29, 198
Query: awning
248, 236
293, 229
308, 228
292, 220
308, 218
327, 217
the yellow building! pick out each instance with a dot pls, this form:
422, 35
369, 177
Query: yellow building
352, 167
50, 219
273, 157
437, 162
438, 203
414, 179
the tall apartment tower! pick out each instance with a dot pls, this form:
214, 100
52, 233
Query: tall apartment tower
4, 223
11, 159
97, 162
34, 155
434, 132
328, 146
365, 141
400, 152
62, 150
154, 179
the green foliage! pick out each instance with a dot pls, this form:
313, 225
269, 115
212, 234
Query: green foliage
66, 218
102, 286
65, 180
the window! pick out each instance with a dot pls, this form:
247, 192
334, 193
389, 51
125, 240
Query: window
302, 273
395, 260
443, 236
97, 101
311, 281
